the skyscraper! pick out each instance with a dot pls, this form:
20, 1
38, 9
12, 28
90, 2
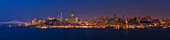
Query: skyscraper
73, 19
72, 15
43, 20
61, 18
34, 22
40, 21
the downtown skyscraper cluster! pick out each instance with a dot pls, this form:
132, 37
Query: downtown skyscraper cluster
115, 20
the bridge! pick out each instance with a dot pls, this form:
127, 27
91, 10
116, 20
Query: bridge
14, 22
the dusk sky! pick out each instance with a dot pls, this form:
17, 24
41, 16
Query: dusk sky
25, 10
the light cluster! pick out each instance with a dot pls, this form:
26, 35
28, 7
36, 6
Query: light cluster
101, 22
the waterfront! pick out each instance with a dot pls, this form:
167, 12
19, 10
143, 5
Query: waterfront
14, 33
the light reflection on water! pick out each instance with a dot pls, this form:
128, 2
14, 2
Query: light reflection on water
14, 33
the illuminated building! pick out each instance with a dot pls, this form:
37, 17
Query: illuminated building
72, 15
53, 18
80, 21
60, 18
72, 19
65, 19
49, 18
43, 20
138, 20
101, 21
40, 21
34, 22
126, 22
115, 19
91, 20
95, 18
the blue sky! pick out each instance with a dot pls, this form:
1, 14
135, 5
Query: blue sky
25, 10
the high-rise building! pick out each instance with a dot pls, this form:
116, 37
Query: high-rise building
34, 22
66, 19
61, 18
43, 20
58, 17
72, 15
53, 18
72, 19
126, 21
138, 20
76, 20
40, 21
35, 18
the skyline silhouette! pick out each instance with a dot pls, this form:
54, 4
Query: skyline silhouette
25, 10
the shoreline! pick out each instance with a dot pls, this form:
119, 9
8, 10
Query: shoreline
112, 27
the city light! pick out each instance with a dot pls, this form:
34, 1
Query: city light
101, 22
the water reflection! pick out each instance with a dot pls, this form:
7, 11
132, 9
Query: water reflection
83, 33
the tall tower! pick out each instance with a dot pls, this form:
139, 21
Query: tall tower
58, 17
61, 18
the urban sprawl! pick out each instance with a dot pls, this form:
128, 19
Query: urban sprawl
100, 22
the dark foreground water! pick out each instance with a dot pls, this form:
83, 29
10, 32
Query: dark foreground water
7, 33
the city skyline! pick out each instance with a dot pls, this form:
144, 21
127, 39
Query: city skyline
84, 19
99, 22
25, 10
88, 18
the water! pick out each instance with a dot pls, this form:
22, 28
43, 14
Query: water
12, 33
